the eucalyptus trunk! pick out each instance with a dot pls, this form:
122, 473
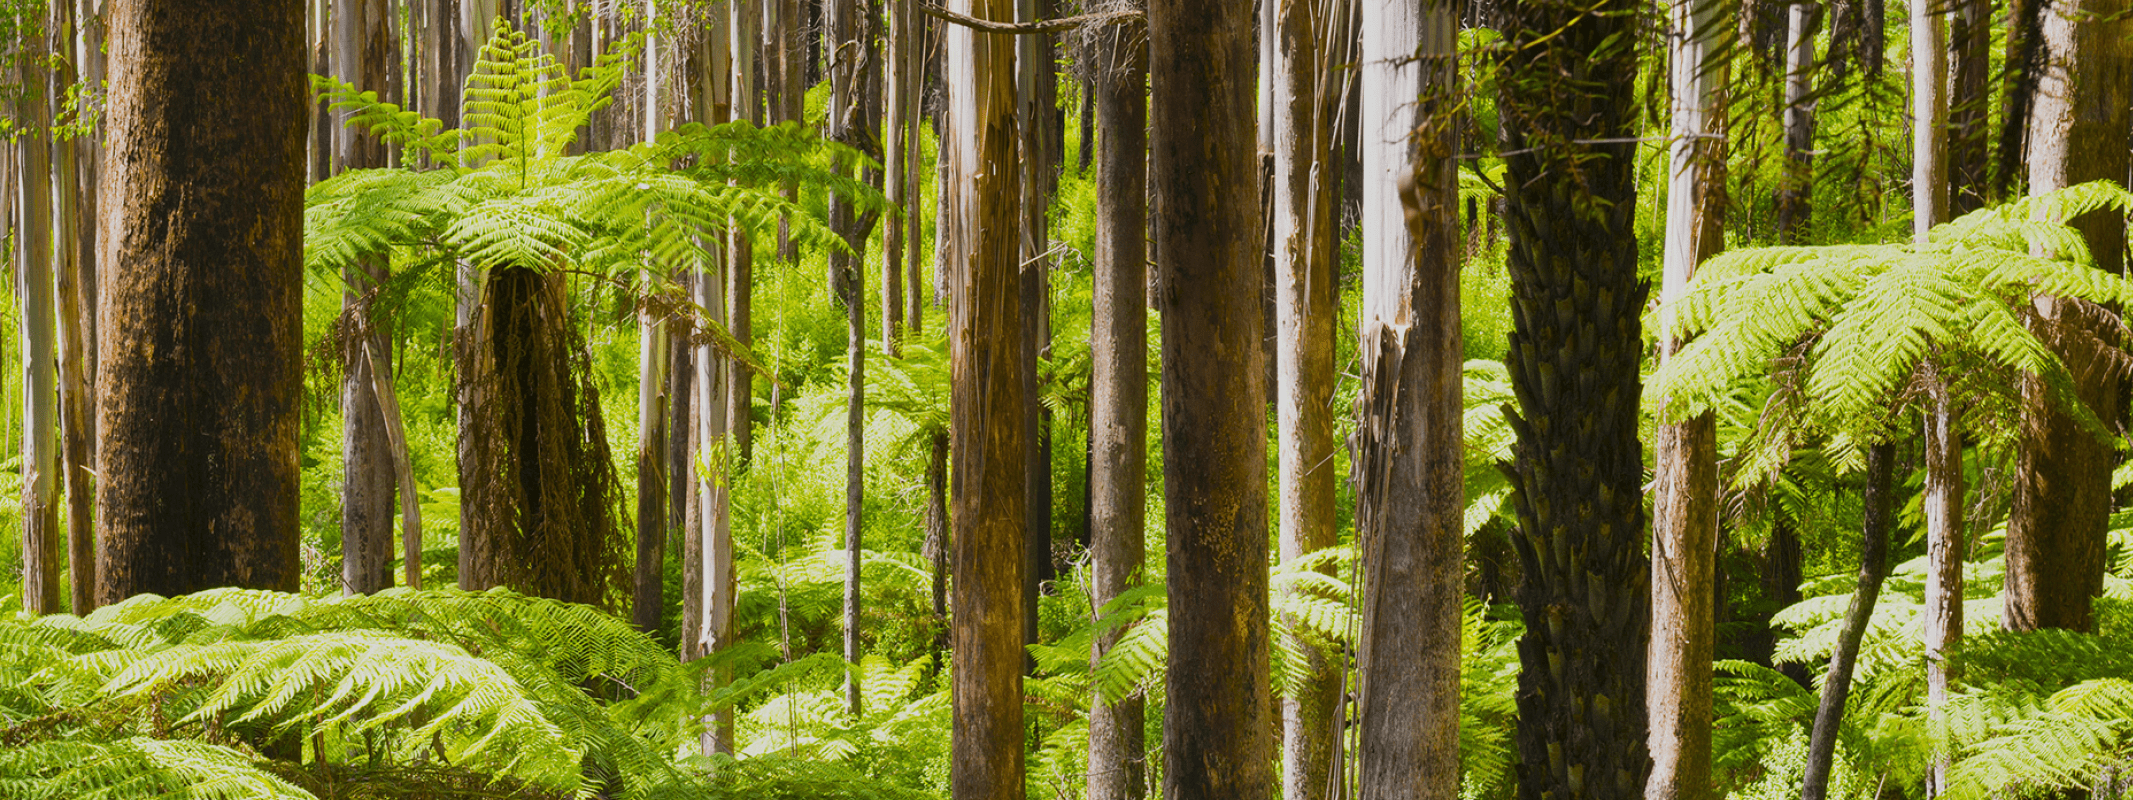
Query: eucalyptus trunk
1795, 201
1873, 568
1205, 173
1575, 345
1410, 498
654, 362
205, 171
1685, 493
43, 555
1943, 614
72, 264
854, 105
362, 44
982, 271
1034, 80
1970, 104
2056, 535
1118, 391
2024, 63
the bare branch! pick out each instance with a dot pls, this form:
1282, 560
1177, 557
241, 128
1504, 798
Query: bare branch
1040, 26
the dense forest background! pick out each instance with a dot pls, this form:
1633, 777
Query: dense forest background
659, 316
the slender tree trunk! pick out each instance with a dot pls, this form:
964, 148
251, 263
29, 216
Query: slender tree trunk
1685, 496
740, 291
1216, 733
1306, 270
1929, 131
1034, 81
936, 546
1781, 590
1411, 492
895, 128
198, 457
2018, 87
854, 105
1943, 625
653, 379
712, 486
70, 267
43, 556
1118, 383
2062, 498
362, 40
983, 274
1970, 105
1795, 201
1873, 567
1576, 468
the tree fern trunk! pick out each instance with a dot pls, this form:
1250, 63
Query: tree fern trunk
1873, 567
1305, 249
1410, 490
206, 165
2062, 498
982, 273
1573, 360
1118, 383
1685, 453
1205, 173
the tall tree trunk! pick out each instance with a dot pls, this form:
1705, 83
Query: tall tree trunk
854, 105
2018, 88
896, 126
653, 396
1795, 200
1873, 567
1575, 346
1411, 491
1034, 82
983, 274
198, 457
1685, 495
73, 263
2062, 498
1306, 268
472, 378
1929, 120
1781, 590
1118, 384
936, 545
362, 40
1970, 105
1216, 733
747, 99
43, 556
1943, 626
712, 486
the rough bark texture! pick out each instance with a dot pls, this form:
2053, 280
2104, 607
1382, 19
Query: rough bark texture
1410, 490
1685, 491
1034, 82
201, 399
1305, 249
1970, 104
1943, 613
1216, 733
985, 402
2018, 87
362, 42
1873, 567
43, 556
2062, 498
1118, 402
1795, 199
1573, 359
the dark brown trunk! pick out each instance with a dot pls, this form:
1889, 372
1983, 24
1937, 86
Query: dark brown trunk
983, 275
1574, 351
1970, 105
204, 224
1118, 402
855, 104
1781, 590
1795, 200
1410, 497
2062, 498
1205, 171
937, 545
654, 396
1873, 567
2018, 89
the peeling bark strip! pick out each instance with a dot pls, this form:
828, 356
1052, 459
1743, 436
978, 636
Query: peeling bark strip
1205, 170
1576, 340
985, 403
201, 400
1410, 491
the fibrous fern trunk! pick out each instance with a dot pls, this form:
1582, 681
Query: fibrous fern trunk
1573, 359
198, 456
2062, 497
1305, 246
1205, 173
1685, 453
1873, 567
985, 403
1410, 490
1118, 383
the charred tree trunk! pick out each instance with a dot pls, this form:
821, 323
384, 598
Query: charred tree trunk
1205, 173
1873, 567
1410, 491
1685, 495
985, 350
1118, 401
205, 170
1573, 360
2062, 502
